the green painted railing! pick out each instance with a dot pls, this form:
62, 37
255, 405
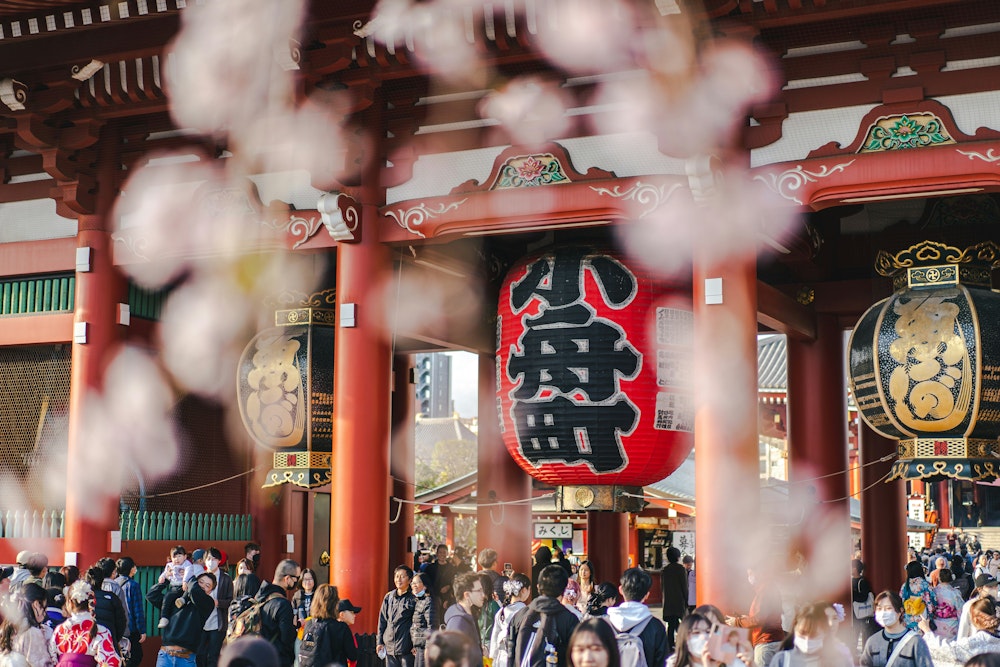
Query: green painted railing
32, 523
145, 303
51, 294
184, 526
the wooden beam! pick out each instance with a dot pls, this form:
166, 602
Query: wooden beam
780, 312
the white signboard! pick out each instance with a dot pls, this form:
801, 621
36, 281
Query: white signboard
684, 541
915, 509
916, 540
553, 531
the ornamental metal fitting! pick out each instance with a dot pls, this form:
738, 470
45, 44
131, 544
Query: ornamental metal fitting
934, 264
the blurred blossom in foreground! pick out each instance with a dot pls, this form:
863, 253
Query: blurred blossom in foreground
531, 109
125, 430
224, 66
731, 221
204, 327
587, 36
438, 31
693, 114
308, 138
426, 302
158, 200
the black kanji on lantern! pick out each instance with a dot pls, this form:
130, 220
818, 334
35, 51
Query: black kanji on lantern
569, 406
559, 429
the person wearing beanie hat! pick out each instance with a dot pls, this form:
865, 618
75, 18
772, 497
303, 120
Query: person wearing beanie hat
249, 652
918, 597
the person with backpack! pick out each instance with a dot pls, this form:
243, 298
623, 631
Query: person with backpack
516, 592
593, 644
641, 638
539, 633
245, 588
188, 608
325, 640
271, 614
469, 595
108, 608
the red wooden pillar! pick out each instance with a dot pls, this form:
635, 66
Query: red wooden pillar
359, 527
449, 526
883, 514
944, 505
607, 544
98, 292
507, 528
817, 431
727, 459
401, 464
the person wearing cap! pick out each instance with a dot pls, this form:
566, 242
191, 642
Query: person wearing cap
346, 612
917, 595
20, 573
188, 608
986, 586
276, 615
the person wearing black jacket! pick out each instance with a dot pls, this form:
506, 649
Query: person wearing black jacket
108, 609
423, 617
471, 595
674, 586
549, 617
395, 619
189, 607
276, 615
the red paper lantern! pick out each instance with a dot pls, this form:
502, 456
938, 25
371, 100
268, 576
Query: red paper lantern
594, 363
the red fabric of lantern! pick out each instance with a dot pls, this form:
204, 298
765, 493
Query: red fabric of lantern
594, 364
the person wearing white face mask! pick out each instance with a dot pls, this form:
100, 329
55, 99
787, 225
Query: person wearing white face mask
217, 623
808, 645
895, 645
692, 641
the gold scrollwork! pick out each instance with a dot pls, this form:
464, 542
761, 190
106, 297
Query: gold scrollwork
927, 253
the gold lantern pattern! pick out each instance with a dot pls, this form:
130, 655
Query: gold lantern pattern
285, 392
924, 371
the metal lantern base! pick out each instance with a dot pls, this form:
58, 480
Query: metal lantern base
600, 498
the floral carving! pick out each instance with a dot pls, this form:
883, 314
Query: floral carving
900, 132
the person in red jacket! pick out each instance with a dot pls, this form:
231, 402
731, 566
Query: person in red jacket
764, 617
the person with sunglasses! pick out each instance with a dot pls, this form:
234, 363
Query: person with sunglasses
277, 617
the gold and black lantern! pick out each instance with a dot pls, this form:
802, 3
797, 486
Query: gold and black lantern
924, 363
285, 392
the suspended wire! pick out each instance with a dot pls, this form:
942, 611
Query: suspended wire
202, 486
870, 486
499, 503
887, 457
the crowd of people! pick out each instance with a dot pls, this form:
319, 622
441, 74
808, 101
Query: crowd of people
96, 617
444, 613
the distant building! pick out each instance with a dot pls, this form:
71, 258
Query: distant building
433, 380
